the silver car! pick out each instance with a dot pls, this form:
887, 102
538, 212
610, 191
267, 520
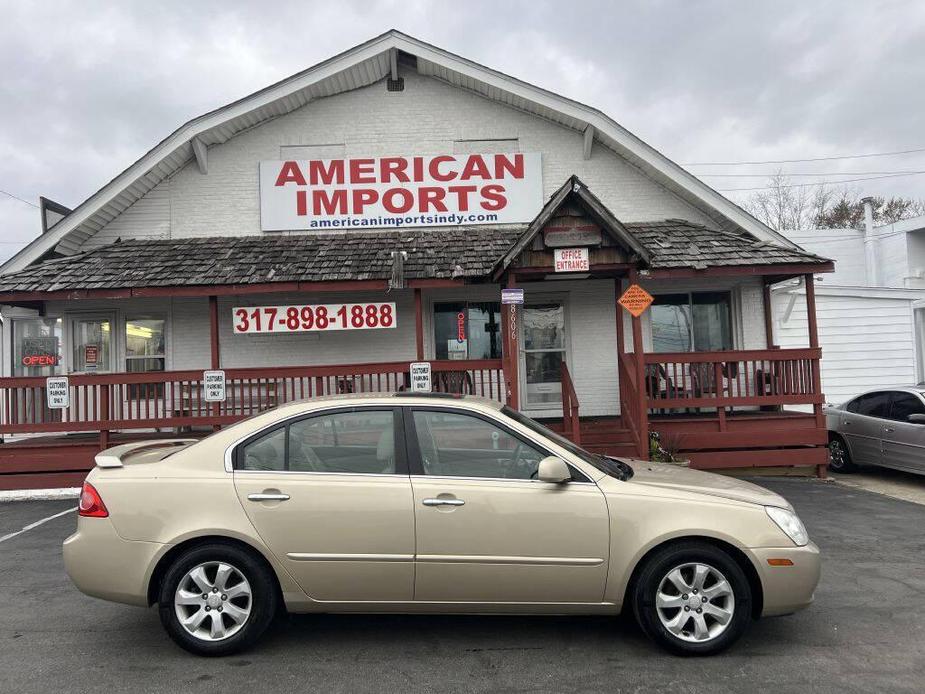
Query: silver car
883, 427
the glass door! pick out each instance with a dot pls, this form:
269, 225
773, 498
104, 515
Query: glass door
544, 351
91, 341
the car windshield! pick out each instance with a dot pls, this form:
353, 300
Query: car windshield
606, 464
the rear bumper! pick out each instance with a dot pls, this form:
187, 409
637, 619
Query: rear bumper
103, 565
787, 588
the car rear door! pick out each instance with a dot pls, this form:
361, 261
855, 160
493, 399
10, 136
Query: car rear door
487, 530
862, 424
904, 441
330, 496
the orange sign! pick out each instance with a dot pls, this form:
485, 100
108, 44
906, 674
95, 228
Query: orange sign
636, 300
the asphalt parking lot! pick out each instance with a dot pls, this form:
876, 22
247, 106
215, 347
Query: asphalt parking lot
866, 632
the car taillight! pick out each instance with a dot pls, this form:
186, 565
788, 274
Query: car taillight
91, 505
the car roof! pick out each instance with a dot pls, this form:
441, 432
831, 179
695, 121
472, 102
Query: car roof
400, 398
915, 390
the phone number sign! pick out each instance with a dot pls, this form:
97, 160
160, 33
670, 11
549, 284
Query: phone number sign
313, 318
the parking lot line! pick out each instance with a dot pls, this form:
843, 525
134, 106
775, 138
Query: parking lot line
37, 523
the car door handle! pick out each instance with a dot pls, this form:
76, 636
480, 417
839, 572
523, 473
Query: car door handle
268, 497
443, 502
888, 430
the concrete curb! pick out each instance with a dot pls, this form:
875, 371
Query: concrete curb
40, 494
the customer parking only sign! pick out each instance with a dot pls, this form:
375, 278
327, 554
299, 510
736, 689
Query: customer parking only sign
400, 191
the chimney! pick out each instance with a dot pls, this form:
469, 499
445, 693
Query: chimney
870, 244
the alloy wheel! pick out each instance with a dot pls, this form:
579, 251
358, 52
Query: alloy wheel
695, 602
837, 454
213, 601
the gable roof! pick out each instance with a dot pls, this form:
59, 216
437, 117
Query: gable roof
573, 190
360, 66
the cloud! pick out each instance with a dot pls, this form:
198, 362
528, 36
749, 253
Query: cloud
89, 87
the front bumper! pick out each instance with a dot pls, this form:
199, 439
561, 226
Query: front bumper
103, 565
787, 588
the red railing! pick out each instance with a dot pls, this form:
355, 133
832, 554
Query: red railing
774, 377
126, 401
632, 413
570, 422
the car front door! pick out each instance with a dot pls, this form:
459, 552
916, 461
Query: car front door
862, 425
487, 530
904, 441
329, 494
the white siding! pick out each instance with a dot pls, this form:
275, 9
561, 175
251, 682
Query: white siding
427, 117
867, 341
844, 246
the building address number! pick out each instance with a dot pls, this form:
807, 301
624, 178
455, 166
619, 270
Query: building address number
313, 318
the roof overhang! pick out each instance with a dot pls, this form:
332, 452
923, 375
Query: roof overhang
361, 66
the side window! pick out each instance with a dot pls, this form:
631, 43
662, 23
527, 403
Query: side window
905, 404
357, 442
872, 405
463, 445
266, 453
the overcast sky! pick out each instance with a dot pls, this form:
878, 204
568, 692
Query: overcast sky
88, 87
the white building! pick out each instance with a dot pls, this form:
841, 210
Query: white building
399, 177
870, 310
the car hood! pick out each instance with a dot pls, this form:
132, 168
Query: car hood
684, 479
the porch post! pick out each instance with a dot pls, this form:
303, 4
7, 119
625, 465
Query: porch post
215, 360
509, 348
617, 293
419, 324
640, 353
768, 316
810, 282
213, 331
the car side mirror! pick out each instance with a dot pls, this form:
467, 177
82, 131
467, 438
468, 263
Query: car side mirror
916, 418
553, 469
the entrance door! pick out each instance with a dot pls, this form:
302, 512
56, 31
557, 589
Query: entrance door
92, 344
487, 530
544, 352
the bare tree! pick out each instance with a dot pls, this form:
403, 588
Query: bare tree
787, 206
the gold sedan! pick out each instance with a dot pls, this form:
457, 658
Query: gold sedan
427, 504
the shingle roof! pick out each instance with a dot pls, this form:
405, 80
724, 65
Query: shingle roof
432, 253
677, 243
445, 252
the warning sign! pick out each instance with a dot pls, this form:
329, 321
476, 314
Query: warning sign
636, 300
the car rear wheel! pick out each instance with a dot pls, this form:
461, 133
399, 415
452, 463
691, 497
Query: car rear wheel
692, 598
839, 457
217, 600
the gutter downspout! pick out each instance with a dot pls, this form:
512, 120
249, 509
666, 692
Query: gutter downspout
870, 246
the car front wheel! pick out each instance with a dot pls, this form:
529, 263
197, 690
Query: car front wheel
217, 599
839, 457
692, 598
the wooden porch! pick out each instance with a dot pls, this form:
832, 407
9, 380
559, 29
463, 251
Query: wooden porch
721, 409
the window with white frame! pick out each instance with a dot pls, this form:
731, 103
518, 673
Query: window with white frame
145, 344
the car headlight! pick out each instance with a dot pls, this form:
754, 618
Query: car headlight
790, 523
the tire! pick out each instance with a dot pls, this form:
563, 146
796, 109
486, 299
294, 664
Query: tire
839, 456
241, 599
666, 609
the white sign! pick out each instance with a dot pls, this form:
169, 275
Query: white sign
512, 296
402, 191
571, 260
314, 318
213, 384
420, 377
57, 393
